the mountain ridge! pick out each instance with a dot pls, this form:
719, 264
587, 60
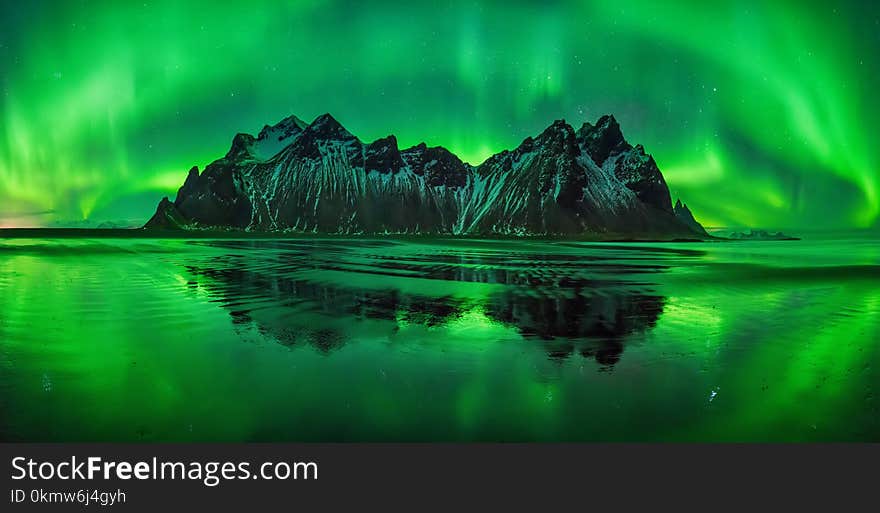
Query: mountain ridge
320, 178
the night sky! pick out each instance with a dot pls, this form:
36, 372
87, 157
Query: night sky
759, 114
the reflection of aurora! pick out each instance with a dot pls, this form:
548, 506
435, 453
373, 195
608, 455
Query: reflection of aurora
596, 304
105, 109
822, 357
444, 340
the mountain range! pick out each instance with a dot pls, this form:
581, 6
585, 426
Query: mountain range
319, 178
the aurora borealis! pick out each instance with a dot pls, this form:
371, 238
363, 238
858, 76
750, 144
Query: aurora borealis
759, 115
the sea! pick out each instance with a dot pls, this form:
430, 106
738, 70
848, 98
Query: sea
118, 338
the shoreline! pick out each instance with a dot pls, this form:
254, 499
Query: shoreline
141, 233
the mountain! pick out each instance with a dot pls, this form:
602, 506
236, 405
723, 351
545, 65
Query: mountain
683, 213
753, 234
319, 178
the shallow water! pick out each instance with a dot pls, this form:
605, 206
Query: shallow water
338, 340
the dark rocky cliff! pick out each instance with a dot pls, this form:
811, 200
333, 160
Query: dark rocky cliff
319, 178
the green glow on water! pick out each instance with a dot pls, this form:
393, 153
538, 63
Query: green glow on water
123, 339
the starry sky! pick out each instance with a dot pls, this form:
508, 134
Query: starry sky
759, 114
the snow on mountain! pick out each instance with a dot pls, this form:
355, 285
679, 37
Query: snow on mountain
320, 178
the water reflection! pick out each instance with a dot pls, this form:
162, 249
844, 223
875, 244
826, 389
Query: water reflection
176, 340
570, 303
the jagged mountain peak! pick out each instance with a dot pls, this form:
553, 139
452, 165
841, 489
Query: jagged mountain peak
241, 147
321, 178
609, 121
438, 165
603, 140
268, 143
684, 215
559, 128
326, 126
292, 120
383, 156
559, 124
421, 147
682, 207
389, 141
323, 134
558, 137
283, 129
604, 123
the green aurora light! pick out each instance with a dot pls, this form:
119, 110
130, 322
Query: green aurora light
758, 114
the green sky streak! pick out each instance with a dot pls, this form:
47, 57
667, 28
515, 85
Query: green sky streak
758, 115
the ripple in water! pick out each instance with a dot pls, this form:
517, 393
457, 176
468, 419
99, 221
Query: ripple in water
338, 340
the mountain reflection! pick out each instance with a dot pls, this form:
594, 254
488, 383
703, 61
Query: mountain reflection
576, 302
